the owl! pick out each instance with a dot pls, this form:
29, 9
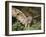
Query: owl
25, 20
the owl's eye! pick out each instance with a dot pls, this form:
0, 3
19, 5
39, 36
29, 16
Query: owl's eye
26, 16
18, 14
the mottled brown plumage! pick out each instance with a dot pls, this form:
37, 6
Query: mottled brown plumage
25, 19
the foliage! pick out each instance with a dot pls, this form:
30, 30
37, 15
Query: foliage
17, 26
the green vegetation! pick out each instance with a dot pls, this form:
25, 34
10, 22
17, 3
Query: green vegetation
17, 26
